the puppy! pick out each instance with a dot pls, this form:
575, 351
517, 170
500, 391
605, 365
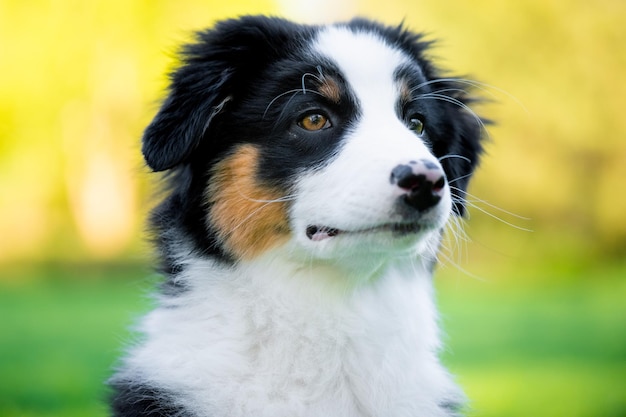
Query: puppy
310, 172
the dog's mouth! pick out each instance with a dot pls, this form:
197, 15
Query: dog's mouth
319, 233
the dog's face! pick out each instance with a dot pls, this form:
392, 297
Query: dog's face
331, 141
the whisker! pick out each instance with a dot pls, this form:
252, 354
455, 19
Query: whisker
482, 86
456, 265
475, 203
277, 200
477, 207
456, 102
459, 179
472, 83
294, 91
459, 231
456, 236
475, 199
312, 76
289, 197
447, 90
466, 159
453, 246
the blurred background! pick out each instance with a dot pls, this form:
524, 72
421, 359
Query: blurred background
533, 301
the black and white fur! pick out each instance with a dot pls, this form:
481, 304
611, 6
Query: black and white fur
310, 170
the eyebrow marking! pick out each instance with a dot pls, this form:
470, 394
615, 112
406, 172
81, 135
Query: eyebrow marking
330, 89
405, 91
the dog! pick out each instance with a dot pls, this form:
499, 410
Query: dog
309, 173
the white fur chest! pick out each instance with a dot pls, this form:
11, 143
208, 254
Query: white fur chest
244, 344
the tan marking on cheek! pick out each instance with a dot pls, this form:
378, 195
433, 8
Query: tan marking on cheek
330, 89
244, 212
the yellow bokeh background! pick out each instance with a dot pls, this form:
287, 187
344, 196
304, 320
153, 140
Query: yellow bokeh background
80, 79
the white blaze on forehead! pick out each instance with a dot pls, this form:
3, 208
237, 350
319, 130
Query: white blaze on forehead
367, 62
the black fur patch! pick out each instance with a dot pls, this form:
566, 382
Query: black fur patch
143, 401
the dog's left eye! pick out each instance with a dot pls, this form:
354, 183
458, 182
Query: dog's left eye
416, 124
314, 122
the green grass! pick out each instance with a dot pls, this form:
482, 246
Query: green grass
551, 349
518, 349
61, 333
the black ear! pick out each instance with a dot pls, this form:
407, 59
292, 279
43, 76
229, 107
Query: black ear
178, 127
214, 71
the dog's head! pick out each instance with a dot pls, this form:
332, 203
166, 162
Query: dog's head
333, 140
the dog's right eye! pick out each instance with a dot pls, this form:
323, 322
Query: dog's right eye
314, 122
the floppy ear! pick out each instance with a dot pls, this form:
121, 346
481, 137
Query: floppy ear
214, 71
178, 127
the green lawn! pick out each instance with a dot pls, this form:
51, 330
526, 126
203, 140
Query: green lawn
551, 349
519, 349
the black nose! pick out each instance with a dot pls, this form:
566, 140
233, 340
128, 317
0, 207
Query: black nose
422, 181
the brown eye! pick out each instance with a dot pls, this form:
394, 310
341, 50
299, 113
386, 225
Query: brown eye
314, 122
